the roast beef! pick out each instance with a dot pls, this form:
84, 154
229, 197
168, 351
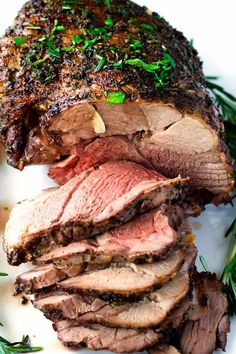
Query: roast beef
89, 203
207, 328
97, 337
147, 236
127, 279
57, 86
148, 312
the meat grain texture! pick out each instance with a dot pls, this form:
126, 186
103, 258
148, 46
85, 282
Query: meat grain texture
54, 96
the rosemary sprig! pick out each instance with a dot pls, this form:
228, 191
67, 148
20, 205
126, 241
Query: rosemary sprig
23, 346
229, 273
227, 104
7, 347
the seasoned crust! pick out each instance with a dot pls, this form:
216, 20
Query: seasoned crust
28, 101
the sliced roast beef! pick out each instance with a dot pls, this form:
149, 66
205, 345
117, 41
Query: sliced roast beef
45, 276
96, 153
149, 312
54, 107
128, 279
59, 306
97, 337
92, 202
147, 236
125, 279
163, 349
208, 325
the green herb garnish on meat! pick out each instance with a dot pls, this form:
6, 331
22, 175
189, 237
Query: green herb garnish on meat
115, 98
19, 40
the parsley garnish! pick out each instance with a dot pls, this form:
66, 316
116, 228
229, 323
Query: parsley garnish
107, 3
19, 40
77, 40
38, 62
160, 69
118, 64
146, 26
67, 3
89, 42
109, 22
101, 63
115, 98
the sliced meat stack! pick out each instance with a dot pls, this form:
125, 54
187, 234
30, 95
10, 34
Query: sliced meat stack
113, 253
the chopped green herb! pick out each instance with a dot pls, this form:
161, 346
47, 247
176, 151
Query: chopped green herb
107, 3
132, 20
68, 49
48, 78
77, 40
3, 274
54, 52
159, 69
146, 26
89, 42
33, 27
66, 7
98, 2
118, 65
71, 2
169, 59
56, 27
19, 40
136, 44
141, 64
109, 22
101, 63
204, 263
38, 62
115, 98
43, 19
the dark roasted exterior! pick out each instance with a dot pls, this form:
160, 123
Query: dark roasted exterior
27, 100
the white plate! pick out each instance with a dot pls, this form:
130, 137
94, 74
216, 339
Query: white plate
211, 24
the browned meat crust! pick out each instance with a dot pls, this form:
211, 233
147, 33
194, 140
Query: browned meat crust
28, 101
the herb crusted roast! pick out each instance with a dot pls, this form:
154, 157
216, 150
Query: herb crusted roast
63, 66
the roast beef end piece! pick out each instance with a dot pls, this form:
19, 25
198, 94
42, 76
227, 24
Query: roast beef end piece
163, 349
98, 337
207, 331
90, 203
